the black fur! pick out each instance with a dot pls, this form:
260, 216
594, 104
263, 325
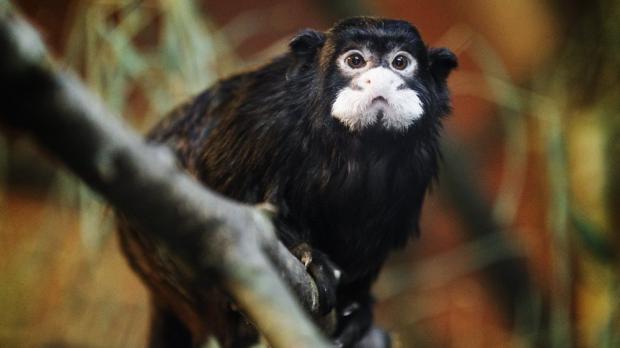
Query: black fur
268, 135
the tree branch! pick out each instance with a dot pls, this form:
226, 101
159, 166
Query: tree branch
209, 233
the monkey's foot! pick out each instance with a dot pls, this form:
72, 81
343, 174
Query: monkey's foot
325, 273
355, 329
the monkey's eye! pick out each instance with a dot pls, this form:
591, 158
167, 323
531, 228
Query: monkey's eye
355, 61
400, 62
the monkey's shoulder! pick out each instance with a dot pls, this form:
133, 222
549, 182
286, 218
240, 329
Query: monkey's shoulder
237, 103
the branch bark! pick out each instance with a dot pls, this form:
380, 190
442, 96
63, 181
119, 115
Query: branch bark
212, 235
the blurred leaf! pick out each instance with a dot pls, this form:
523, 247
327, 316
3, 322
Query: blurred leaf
592, 237
511, 111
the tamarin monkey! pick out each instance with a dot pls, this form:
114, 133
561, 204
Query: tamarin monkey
340, 135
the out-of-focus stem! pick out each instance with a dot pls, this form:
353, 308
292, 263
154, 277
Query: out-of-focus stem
551, 129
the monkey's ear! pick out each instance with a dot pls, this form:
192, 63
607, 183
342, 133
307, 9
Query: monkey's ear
304, 47
442, 61
307, 43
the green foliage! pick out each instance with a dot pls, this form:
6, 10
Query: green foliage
164, 51
593, 238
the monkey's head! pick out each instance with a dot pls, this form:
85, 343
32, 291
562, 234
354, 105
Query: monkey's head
376, 73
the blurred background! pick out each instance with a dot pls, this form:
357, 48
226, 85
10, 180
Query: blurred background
517, 246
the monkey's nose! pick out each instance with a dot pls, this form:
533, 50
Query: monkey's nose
378, 80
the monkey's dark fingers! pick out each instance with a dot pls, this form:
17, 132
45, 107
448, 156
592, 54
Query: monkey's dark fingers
303, 252
354, 322
326, 275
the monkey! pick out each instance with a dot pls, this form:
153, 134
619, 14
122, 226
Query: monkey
341, 135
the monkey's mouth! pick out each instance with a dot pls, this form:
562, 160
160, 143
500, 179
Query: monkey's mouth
380, 115
377, 107
379, 99
381, 102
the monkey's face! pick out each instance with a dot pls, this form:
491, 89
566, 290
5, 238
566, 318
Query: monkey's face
377, 73
378, 89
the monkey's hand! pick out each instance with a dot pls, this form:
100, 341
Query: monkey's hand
325, 273
355, 328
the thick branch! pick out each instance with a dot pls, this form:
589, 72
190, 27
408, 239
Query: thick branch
209, 233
